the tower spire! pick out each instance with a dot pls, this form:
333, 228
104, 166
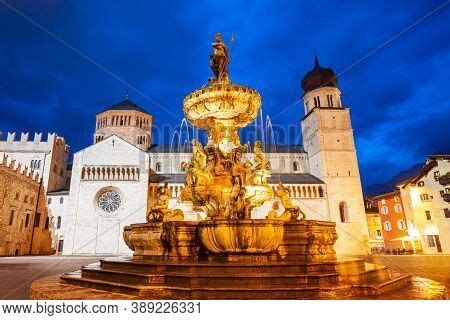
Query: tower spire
316, 59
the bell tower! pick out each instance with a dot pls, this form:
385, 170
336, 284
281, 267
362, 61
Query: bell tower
328, 139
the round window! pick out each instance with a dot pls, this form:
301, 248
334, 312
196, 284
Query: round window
110, 201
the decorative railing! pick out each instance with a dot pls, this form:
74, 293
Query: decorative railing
110, 173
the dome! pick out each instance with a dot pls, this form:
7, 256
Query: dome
319, 77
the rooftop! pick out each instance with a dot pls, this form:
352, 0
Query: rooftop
125, 105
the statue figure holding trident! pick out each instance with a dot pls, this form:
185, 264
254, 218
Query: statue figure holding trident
219, 60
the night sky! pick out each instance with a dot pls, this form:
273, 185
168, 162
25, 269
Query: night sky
392, 57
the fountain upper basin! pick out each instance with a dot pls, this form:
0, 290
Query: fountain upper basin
222, 103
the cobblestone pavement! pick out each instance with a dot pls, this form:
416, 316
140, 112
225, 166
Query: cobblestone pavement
17, 273
435, 267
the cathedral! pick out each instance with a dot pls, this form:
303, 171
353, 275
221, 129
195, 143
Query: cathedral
112, 183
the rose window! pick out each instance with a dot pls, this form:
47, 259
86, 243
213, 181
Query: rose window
109, 201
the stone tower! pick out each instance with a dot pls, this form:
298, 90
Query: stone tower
328, 139
126, 120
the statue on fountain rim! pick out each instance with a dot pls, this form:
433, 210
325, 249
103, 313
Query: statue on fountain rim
160, 210
291, 212
261, 162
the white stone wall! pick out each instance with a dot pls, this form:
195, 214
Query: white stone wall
89, 230
57, 205
328, 140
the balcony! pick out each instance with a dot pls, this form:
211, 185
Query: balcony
446, 197
445, 179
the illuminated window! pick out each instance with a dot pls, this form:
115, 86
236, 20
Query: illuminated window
430, 241
384, 210
428, 215
437, 175
397, 208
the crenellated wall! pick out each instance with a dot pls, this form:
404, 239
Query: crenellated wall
23, 214
48, 157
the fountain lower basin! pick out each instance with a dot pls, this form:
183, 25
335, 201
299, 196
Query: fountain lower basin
240, 236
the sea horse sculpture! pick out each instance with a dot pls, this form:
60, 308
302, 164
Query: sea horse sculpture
160, 210
291, 212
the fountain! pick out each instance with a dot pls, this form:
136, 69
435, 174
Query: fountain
228, 255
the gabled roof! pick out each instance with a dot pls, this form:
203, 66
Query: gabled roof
104, 141
384, 195
425, 169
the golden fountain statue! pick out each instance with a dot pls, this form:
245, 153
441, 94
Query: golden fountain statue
217, 180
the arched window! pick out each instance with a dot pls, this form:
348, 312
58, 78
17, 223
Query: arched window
58, 225
343, 212
387, 226
296, 166
61, 200
158, 167
397, 208
384, 210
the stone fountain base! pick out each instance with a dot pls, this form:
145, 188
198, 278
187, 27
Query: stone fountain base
177, 266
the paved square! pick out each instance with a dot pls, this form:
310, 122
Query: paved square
17, 273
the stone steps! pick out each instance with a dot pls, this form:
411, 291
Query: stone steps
270, 267
213, 280
153, 279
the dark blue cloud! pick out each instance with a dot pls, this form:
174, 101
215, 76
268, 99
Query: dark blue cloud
398, 96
